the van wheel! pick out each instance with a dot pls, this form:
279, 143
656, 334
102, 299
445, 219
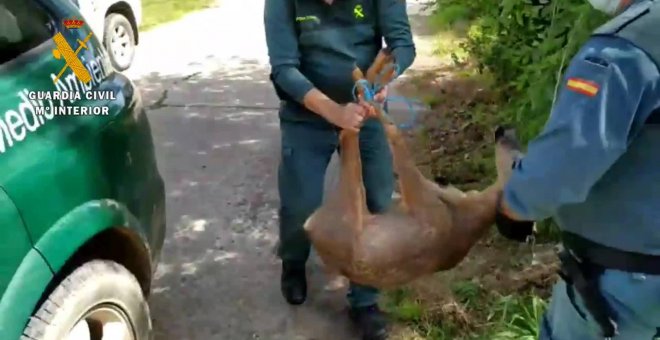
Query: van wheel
119, 40
99, 300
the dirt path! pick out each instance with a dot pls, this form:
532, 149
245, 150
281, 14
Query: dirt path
204, 79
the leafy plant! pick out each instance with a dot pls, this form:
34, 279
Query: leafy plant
468, 292
518, 318
524, 46
402, 307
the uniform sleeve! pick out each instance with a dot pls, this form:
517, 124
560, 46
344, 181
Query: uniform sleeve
590, 127
282, 42
394, 25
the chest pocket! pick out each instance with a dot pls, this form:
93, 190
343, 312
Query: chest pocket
342, 25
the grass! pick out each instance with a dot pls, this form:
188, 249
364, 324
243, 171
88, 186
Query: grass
499, 292
158, 12
471, 309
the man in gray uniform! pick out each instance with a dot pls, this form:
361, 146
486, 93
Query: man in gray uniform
595, 169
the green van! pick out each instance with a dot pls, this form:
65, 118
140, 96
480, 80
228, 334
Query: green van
82, 208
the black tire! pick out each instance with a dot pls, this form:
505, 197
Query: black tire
94, 284
113, 22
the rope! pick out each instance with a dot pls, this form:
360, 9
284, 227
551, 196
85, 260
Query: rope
370, 91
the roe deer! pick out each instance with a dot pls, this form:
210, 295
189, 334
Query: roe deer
430, 229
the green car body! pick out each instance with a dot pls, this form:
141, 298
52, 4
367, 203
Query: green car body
72, 188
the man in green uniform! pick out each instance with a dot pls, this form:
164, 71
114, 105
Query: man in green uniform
313, 46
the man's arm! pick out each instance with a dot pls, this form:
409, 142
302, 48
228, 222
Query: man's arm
282, 42
590, 127
284, 55
394, 25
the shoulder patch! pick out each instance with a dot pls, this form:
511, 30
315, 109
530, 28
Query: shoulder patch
582, 86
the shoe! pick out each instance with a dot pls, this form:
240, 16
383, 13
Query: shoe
294, 282
371, 321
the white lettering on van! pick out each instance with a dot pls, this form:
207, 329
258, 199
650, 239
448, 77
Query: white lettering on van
36, 108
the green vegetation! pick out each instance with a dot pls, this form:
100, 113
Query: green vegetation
503, 67
495, 294
523, 47
474, 314
157, 12
517, 52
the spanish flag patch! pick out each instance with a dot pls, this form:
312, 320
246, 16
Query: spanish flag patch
585, 87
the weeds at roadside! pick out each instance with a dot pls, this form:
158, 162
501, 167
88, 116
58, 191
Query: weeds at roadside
471, 310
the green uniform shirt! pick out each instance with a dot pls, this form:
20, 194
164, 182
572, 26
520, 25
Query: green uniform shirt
313, 44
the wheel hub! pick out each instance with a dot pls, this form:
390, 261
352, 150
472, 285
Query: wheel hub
122, 47
102, 323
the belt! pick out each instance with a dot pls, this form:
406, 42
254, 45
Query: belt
611, 258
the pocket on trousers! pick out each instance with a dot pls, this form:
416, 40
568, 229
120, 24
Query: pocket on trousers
576, 302
570, 315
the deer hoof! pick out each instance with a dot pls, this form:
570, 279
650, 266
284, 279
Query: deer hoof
441, 181
336, 283
506, 136
500, 132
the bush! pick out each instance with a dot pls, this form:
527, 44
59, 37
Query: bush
525, 47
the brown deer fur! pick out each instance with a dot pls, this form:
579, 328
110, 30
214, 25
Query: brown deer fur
430, 229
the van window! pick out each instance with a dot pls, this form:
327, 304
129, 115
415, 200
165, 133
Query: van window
23, 26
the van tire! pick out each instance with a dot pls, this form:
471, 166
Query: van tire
116, 21
95, 283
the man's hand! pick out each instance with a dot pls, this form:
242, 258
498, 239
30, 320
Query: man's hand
349, 116
369, 109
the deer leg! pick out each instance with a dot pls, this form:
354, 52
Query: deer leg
335, 279
351, 181
383, 58
411, 180
351, 186
449, 194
